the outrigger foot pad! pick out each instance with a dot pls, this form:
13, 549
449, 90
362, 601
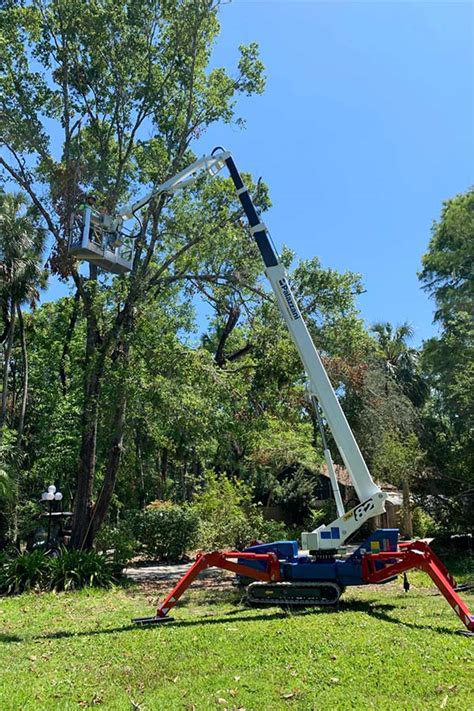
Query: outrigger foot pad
151, 620
465, 633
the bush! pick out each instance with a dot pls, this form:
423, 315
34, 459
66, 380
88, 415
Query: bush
70, 570
27, 571
257, 528
223, 522
74, 569
119, 542
423, 523
29, 521
166, 530
323, 515
229, 518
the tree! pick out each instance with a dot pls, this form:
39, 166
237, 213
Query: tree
128, 87
449, 361
398, 461
448, 264
55, 334
269, 439
401, 362
22, 243
376, 407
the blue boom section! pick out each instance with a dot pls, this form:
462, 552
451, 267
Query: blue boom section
344, 571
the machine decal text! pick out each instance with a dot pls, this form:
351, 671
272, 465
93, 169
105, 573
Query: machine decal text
289, 298
363, 509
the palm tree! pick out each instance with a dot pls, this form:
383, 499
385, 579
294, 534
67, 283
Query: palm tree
22, 243
402, 367
400, 360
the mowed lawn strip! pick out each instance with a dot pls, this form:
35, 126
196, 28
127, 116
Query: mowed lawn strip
384, 649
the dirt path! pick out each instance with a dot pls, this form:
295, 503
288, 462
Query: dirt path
161, 578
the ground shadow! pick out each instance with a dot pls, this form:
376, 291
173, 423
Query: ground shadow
380, 612
63, 634
5, 638
372, 608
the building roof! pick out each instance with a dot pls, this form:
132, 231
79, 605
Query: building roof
342, 475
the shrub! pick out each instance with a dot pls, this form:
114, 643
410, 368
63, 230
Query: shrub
74, 569
119, 542
229, 518
324, 514
223, 522
28, 521
27, 571
261, 529
69, 570
166, 530
423, 523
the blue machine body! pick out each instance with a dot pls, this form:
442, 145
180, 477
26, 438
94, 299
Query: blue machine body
295, 566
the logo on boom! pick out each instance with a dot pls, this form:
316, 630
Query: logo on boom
289, 299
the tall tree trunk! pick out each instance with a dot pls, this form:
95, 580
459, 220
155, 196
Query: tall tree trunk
163, 472
120, 359
13, 393
87, 454
67, 342
139, 467
111, 470
87, 460
24, 392
197, 478
86, 517
21, 425
6, 364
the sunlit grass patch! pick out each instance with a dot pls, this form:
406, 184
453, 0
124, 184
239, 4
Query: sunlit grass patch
383, 649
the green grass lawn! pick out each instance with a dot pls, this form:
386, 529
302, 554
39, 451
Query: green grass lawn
382, 650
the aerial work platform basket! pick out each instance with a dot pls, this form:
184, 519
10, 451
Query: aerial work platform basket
93, 240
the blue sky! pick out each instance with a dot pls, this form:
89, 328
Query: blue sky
365, 127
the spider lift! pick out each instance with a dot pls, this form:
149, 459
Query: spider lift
318, 573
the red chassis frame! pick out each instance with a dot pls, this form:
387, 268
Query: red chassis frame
416, 554
419, 555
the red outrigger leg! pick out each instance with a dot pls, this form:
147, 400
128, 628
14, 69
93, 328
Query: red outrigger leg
417, 555
218, 559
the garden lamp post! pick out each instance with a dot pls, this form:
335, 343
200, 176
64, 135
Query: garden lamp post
49, 496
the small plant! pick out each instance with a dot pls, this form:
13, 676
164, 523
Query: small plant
27, 571
74, 569
324, 514
166, 530
28, 525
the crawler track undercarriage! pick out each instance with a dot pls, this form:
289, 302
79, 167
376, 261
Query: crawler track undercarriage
294, 594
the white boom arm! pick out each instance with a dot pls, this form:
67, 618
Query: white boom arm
208, 164
371, 497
